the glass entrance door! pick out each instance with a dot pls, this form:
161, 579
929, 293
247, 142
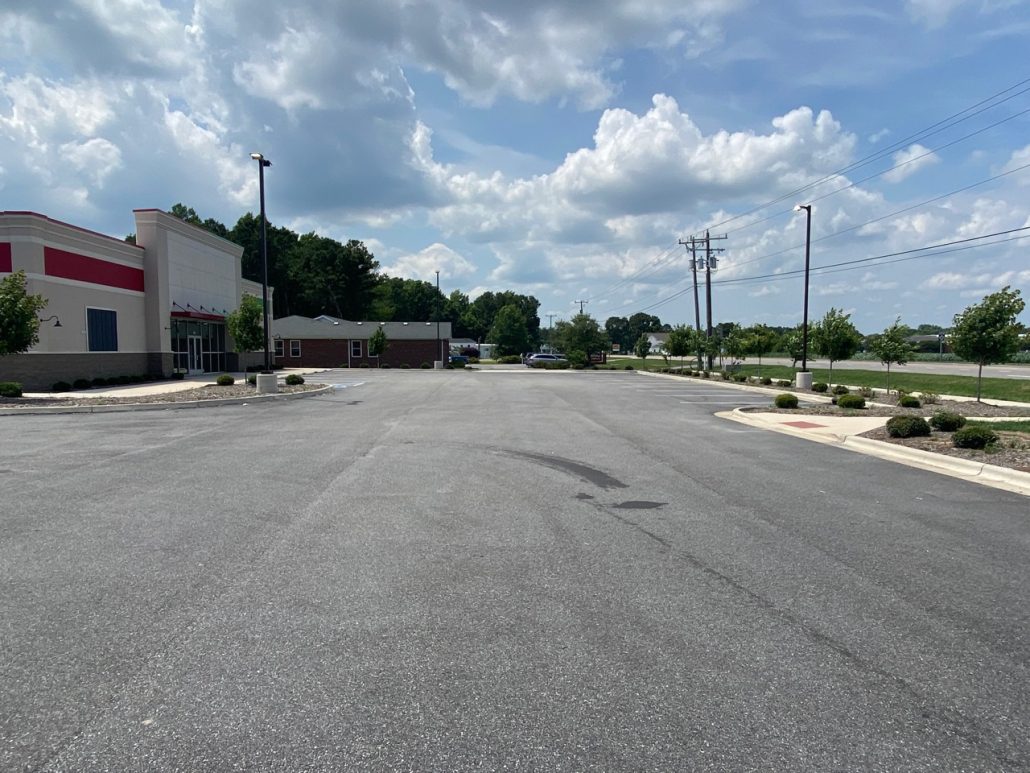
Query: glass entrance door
196, 360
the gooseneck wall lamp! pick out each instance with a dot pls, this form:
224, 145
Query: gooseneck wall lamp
57, 322
262, 163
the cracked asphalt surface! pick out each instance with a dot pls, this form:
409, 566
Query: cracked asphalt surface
499, 571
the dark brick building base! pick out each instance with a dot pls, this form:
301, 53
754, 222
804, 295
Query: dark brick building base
325, 353
38, 372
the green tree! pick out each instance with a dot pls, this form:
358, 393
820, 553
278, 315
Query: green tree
246, 325
793, 343
378, 343
987, 332
582, 334
682, 341
835, 338
617, 329
759, 340
281, 241
19, 315
643, 347
735, 343
639, 324
891, 347
333, 278
396, 299
509, 334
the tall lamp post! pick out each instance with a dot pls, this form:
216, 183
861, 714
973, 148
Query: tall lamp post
262, 163
439, 353
804, 378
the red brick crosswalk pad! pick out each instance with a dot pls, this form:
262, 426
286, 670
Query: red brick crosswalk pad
803, 424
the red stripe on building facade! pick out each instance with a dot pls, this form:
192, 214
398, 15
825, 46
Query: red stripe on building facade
69, 265
5, 258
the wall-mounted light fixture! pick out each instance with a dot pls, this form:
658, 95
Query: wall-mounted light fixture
57, 322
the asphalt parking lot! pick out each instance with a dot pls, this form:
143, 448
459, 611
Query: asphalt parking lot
524, 570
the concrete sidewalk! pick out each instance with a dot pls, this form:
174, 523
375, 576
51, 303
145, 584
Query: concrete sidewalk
163, 387
845, 431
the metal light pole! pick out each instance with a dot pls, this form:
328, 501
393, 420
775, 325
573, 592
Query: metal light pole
804, 319
439, 348
262, 163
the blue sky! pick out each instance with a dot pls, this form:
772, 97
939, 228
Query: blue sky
560, 149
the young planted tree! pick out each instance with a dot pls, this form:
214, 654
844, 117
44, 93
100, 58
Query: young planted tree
794, 344
891, 347
987, 332
246, 325
759, 340
835, 338
509, 334
378, 343
19, 315
681, 342
735, 343
643, 346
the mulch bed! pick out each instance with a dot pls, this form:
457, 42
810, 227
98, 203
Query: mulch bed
210, 392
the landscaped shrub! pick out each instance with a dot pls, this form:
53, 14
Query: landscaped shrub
740, 377
294, 379
61, 386
387, 366
457, 364
628, 367
974, 436
363, 365
509, 359
929, 398
786, 400
819, 386
909, 401
867, 392
840, 389
405, 366
907, 426
225, 380
472, 361
783, 383
766, 380
851, 401
725, 375
122, 380
10, 389
448, 366
947, 421
84, 383
425, 366
98, 382
252, 380
178, 375
705, 374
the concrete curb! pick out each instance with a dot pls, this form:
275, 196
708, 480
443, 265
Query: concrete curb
768, 390
974, 472
170, 406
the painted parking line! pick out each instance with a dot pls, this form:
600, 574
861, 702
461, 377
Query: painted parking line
348, 385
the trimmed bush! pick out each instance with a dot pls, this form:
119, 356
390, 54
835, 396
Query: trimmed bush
929, 398
907, 426
840, 389
508, 359
10, 389
122, 380
387, 366
99, 382
725, 375
61, 386
867, 392
974, 436
851, 401
363, 365
783, 383
425, 366
740, 377
946, 421
786, 400
84, 383
252, 380
908, 401
819, 386
628, 367
766, 381
225, 380
404, 366
705, 374
294, 379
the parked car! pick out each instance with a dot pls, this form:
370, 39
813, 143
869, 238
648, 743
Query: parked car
537, 359
459, 358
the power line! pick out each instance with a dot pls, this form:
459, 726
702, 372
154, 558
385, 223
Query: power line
929, 131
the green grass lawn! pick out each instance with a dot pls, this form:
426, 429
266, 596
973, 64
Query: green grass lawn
993, 388
1005, 425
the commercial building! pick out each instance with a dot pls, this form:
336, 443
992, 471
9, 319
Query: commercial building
124, 309
329, 342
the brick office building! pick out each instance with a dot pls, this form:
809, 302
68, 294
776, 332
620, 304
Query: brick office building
328, 342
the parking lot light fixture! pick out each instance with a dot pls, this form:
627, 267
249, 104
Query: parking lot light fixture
808, 248
262, 163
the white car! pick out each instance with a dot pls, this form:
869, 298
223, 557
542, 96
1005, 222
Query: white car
535, 359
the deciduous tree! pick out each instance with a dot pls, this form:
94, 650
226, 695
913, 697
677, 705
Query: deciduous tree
891, 347
987, 332
246, 325
19, 315
835, 338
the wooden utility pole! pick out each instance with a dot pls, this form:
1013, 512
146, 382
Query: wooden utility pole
711, 264
692, 246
